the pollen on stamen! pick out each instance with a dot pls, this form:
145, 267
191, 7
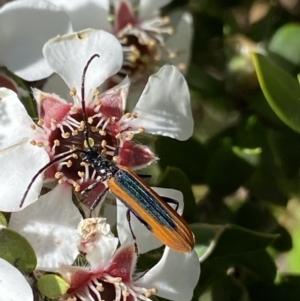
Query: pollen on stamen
40, 122
75, 156
73, 92
96, 92
53, 120
94, 129
154, 290
103, 143
172, 54
181, 66
165, 19
74, 110
115, 159
102, 132
33, 126
81, 174
33, 142
81, 126
90, 120
170, 30
58, 175
117, 280
65, 135
56, 142
69, 163
75, 133
39, 143
103, 152
141, 129
100, 288
129, 136
135, 115
62, 181
76, 186
150, 292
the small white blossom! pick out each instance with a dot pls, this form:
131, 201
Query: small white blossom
111, 271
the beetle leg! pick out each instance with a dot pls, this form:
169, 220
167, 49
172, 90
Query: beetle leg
170, 201
133, 236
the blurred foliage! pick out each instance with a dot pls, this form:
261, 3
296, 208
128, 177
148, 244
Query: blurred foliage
244, 159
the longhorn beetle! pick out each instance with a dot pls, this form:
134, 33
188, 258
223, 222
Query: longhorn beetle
149, 208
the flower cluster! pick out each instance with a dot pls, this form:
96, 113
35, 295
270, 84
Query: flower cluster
46, 169
147, 39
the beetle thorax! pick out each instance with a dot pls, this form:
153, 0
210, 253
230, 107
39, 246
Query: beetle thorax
104, 167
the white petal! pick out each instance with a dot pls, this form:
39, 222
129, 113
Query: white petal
180, 41
149, 8
50, 226
145, 240
13, 117
18, 165
13, 284
164, 107
26, 26
175, 275
68, 55
97, 12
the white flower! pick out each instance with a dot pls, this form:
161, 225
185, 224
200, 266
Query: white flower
13, 284
50, 227
148, 40
163, 108
26, 25
111, 272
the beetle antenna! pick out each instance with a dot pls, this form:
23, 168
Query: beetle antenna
84, 114
43, 169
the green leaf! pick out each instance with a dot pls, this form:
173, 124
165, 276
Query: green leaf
16, 249
228, 240
228, 288
203, 82
288, 34
265, 222
281, 90
288, 158
233, 246
256, 265
228, 158
3, 220
250, 155
179, 154
237, 240
206, 237
288, 290
293, 255
52, 286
